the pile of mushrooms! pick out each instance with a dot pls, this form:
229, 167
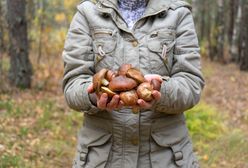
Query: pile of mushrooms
128, 82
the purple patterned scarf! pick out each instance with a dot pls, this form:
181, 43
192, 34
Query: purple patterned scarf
132, 10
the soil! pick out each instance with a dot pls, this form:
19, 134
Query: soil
227, 89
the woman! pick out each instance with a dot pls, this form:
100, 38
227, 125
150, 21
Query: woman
156, 36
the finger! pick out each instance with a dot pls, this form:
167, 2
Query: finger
90, 88
143, 104
102, 102
113, 104
120, 104
156, 95
149, 77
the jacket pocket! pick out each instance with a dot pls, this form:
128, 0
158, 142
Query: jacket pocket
161, 44
171, 146
93, 148
104, 45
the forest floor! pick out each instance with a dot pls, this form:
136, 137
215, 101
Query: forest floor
37, 129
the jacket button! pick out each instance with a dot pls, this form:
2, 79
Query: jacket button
135, 43
178, 156
105, 15
162, 14
135, 141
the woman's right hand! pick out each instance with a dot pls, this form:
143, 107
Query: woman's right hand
102, 100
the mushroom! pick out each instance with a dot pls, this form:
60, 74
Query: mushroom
108, 91
129, 98
110, 75
99, 80
122, 83
144, 91
136, 75
123, 69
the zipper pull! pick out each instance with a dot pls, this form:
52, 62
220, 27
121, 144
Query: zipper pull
101, 54
164, 54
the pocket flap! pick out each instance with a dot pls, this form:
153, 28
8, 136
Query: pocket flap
88, 138
157, 45
105, 39
107, 45
168, 132
160, 38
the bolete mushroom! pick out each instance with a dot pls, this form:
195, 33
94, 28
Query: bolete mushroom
110, 75
123, 69
144, 91
99, 80
129, 98
122, 83
136, 75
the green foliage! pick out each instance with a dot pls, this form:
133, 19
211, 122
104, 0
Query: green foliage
7, 161
10, 109
205, 122
6, 105
215, 142
231, 147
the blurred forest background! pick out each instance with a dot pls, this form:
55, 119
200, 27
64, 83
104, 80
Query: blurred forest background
37, 129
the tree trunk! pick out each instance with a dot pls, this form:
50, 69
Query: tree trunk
20, 67
195, 13
221, 31
209, 27
42, 26
236, 34
1, 29
244, 51
202, 35
232, 14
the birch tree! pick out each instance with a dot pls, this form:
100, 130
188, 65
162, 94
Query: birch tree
236, 34
244, 41
221, 30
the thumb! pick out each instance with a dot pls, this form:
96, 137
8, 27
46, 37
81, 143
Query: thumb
90, 88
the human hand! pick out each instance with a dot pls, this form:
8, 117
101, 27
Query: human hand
103, 103
150, 77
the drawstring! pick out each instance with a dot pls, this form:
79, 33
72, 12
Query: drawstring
164, 53
101, 52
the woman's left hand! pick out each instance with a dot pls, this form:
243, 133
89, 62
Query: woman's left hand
156, 94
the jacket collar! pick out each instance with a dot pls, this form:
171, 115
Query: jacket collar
153, 6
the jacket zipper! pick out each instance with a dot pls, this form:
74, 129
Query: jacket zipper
104, 32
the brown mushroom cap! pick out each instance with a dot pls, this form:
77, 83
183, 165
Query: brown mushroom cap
136, 75
110, 75
108, 91
144, 91
129, 98
98, 79
123, 69
122, 83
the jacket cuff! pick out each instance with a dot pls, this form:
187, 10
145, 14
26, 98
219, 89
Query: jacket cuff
160, 105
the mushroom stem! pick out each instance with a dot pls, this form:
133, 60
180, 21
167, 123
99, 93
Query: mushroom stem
105, 82
108, 91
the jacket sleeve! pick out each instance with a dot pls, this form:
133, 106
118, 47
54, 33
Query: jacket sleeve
78, 65
182, 90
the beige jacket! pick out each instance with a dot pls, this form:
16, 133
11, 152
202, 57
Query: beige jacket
162, 42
